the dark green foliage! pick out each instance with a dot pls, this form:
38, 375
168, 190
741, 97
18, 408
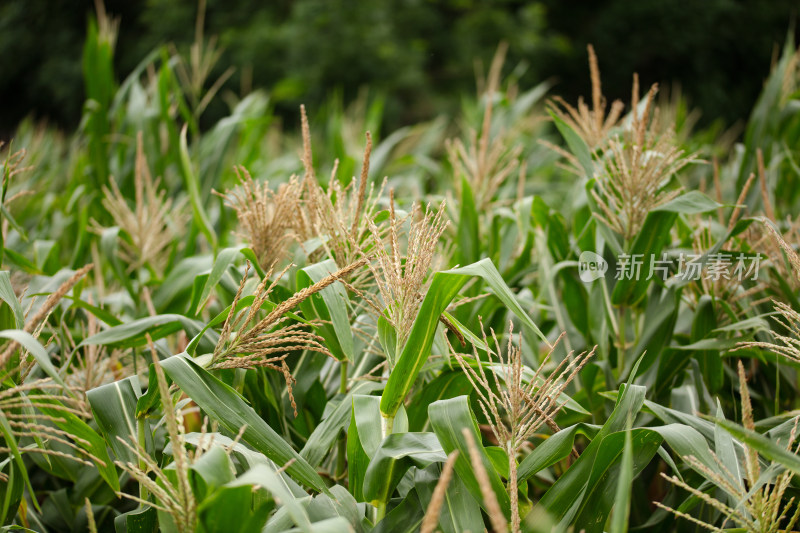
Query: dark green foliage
419, 53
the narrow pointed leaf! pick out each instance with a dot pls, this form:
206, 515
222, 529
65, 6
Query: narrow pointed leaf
325, 434
763, 445
114, 408
329, 305
133, 333
622, 499
87, 438
27, 341
444, 287
397, 453
223, 261
448, 419
8, 296
224, 405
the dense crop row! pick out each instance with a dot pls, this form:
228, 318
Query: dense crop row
544, 317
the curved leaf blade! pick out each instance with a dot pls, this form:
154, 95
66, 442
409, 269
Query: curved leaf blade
444, 287
448, 419
224, 404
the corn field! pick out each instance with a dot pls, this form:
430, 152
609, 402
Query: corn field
535, 316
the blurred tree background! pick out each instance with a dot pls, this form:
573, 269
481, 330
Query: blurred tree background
419, 54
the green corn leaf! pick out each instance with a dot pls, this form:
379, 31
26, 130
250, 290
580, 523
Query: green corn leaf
10, 491
448, 419
224, 260
622, 498
8, 296
11, 444
659, 324
608, 470
647, 247
109, 246
228, 510
340, 505
190, 180
265, 477
469, 249
102, 314
763, 445
686, 441
444, 287
460, 512
448, 384
224, 405
690, 203
725, 448
21, 261
387, 336
403, 518
576, 145
396, 454
27, 341
325, 434
138, 521
653, 237
564, 498
364, 436
711, 367
211, 471
151, 399
329, 305
554, 449
114, 408
133, 333
87, 438
178, 283
250, 255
